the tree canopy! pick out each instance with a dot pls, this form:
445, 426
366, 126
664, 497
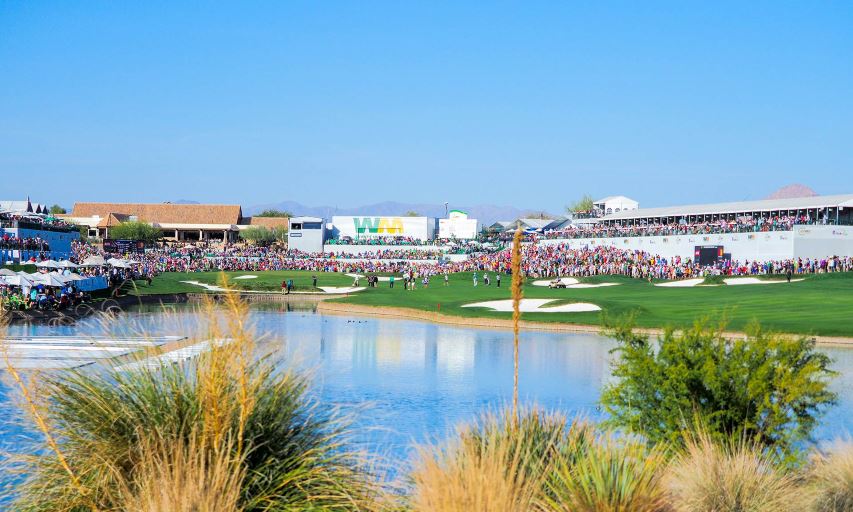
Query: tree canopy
135, 230
764, 387
272, 212
584, 204
263, 235
56, 209
412, 213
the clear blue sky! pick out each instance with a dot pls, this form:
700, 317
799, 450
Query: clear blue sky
346, 103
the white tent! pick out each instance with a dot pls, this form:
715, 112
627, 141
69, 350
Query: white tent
48, 280
48, 264
7, 272
17, 280
67, 264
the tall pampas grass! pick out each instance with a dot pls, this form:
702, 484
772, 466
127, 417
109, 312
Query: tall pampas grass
517, 294
229, 430
499, 463
831, 479
733, 476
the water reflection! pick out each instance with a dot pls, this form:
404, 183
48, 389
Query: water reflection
416, 380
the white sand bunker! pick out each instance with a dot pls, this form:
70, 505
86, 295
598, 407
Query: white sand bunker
246, 277
209, 287
755, 280
571, 282
564, 280
382, 279
535, 306
684, 283
341, 289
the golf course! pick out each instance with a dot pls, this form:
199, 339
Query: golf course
819, 304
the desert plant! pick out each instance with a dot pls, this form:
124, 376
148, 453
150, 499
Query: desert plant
765, 386
517, 295
609, 475
730, 476
831, 478
498, 463
231, 423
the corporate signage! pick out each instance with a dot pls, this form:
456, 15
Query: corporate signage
370, 226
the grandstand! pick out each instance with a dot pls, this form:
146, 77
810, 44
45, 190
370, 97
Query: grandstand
835, 209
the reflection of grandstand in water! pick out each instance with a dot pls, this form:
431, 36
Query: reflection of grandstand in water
455, 351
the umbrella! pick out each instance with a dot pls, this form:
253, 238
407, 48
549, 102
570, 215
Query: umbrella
93, 261
47, 264
117, 263
7, 272
67, 264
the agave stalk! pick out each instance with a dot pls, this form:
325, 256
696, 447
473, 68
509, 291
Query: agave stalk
516, 316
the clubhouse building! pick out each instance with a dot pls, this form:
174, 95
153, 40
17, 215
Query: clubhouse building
178, 222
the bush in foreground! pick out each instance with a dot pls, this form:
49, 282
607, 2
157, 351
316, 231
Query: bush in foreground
831, 478
542, 462
225, 432
730, 477
764, 387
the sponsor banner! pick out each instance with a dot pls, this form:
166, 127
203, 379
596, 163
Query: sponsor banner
380, 226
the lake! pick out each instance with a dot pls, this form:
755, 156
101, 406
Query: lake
412, 381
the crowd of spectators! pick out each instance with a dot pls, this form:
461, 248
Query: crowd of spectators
744, 225
9, 242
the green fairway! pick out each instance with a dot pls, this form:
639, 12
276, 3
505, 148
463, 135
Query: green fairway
821, 304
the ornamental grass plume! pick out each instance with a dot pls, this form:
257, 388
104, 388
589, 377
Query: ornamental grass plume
732, 476
229, 430
831, 479
499, 463
517, 294
611, 475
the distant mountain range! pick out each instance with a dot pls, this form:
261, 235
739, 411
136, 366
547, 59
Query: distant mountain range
485, 213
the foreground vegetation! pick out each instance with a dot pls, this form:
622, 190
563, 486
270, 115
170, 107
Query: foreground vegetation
700, 423
819, 305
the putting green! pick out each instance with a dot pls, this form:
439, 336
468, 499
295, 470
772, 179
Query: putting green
819, 304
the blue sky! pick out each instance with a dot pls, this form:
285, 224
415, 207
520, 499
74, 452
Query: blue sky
347, 103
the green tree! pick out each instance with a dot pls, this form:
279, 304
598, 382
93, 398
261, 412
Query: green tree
584, 204
272, 212
412, 213
135, 230
764, 387
259, 235
56, 209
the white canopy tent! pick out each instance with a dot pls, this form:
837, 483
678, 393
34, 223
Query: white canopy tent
51, 280
7, 272
48, 264
17, 280
117, 263
67, 264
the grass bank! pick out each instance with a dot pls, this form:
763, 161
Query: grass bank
819, 305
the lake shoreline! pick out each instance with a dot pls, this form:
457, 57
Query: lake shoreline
340, 308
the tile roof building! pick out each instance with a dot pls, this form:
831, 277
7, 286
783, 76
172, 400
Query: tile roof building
190, 222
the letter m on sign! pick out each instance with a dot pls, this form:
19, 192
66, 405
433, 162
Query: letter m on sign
365, 224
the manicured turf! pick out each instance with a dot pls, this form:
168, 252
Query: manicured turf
821, 304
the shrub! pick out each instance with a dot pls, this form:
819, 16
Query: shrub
228, 427
611, 475
730, 477
499, 463
832, 480
766, 387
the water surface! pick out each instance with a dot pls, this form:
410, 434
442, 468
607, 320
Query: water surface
412, 381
